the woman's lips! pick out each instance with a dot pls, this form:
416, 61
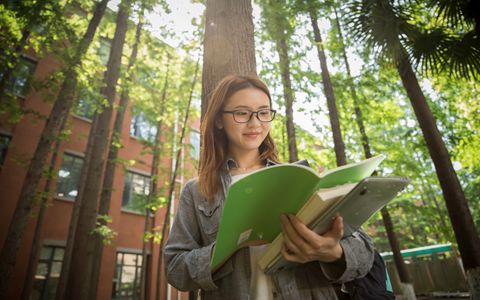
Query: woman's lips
252, 135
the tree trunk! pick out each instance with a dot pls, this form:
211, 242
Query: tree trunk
460, 216
67, 256
157, 149
79, 277
228, 46
387, 222
282, 49
166, 219
356, 100
329, 94
107, 187
60, 110
37, 242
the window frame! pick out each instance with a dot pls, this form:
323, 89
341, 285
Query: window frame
103, 41
118, 271
75, 155
3, 156
88, 107
134, 172
49, 262
141, 118
25, 89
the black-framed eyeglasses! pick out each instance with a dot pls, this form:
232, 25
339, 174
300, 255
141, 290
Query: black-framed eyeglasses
244, 116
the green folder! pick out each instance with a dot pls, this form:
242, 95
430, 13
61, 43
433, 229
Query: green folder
254, 203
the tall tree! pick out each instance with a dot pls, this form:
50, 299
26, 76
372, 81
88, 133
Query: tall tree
59, 112
280, 29
228, 46
111, 163
407, 286
372, 21
339, 145
154, 193
171, 186
36, 242
82, 259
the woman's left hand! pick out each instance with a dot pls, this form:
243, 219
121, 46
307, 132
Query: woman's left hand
304, 245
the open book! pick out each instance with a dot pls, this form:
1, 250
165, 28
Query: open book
254, 203
355, 203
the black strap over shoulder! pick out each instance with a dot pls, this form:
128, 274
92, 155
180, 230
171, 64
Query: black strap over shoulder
373, 285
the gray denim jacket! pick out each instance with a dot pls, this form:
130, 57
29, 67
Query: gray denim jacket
188, 252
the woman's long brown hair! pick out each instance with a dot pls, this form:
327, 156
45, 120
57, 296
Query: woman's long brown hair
214, 149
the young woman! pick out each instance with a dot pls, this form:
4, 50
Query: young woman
236, 141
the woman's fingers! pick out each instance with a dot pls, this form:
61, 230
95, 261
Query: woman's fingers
337, 228
301, 244
291, 237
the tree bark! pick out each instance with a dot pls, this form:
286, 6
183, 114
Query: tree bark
228, 46
397, 255
37, 242
166, 219
79, 277
157, 148
111, 164
356, 100
460, 216
387, 222
60, 110
329, 94
282, 49
67, 256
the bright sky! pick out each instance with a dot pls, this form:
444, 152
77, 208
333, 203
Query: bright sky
179, 21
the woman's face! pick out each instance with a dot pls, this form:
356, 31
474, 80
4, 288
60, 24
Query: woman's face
245, 136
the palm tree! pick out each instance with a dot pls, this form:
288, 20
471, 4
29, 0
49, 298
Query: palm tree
383, 26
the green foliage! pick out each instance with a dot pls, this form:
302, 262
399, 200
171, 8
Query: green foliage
106, 233
436, 35
155, 235
393, 29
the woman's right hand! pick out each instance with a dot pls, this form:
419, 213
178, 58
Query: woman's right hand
301, 244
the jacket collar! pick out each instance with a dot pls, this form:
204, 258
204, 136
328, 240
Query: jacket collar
232, 164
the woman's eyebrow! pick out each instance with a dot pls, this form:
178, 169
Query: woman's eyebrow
248, 107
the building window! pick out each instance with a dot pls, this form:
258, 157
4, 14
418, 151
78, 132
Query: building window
85, 107
126, 282
103, 51
21, 77
48, 273
195, 144
4, 143
69, 176
135, 192
141, 128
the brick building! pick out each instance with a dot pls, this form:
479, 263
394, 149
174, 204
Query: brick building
121, 263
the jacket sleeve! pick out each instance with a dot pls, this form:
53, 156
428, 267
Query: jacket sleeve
356, 261
187, 262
